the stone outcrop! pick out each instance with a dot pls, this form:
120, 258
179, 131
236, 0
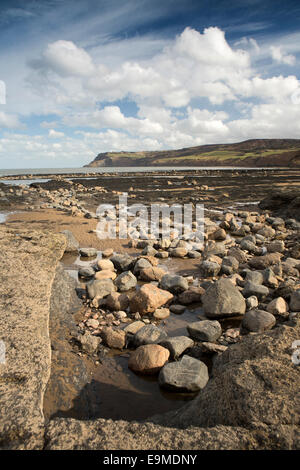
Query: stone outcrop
28, 261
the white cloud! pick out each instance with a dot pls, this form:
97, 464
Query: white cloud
281, 57
55, 134
9, 121
66, 59
192, 90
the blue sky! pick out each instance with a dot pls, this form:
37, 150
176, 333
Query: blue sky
79, 78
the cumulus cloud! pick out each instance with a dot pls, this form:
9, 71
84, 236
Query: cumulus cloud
197, 89
281, 57
55, 134
9, 121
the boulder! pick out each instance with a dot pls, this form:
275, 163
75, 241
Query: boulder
152, 273
186, 375
105, 274
209, 269
229, 265
149, 334
122, 262
177, 309
105, 264
259, 291
148, 298
88, 252
148, 359
295, 301
115, 339
223, 299
161, 313
205, 330
116, 301
263, 262
86, 272
192, 295
277, 306
126, 281
100, 288
177, 345
258, 321
173, 283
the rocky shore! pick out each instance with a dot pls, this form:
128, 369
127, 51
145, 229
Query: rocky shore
237, 350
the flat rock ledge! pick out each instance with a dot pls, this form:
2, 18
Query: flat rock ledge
250, 402
28, 261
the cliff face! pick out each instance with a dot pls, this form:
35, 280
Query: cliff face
250, 153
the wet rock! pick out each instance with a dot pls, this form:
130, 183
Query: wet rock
161, 313
173, 283
258, 321
205, 330
88, 252
149, 298
86, 272
187, 375
116, 301
105, 264
177, 309
122, 262
223, 299
149, 334
72, 244
148, 359
100, 288
295, 301
259, 291
126, 281
177, 345
152, 273
192, 295
277, 306
115, 339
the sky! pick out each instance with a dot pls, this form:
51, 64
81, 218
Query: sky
80, 78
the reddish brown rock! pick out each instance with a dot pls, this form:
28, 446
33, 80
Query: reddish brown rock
149, 298
148, 359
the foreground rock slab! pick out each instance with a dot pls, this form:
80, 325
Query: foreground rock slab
29, 261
